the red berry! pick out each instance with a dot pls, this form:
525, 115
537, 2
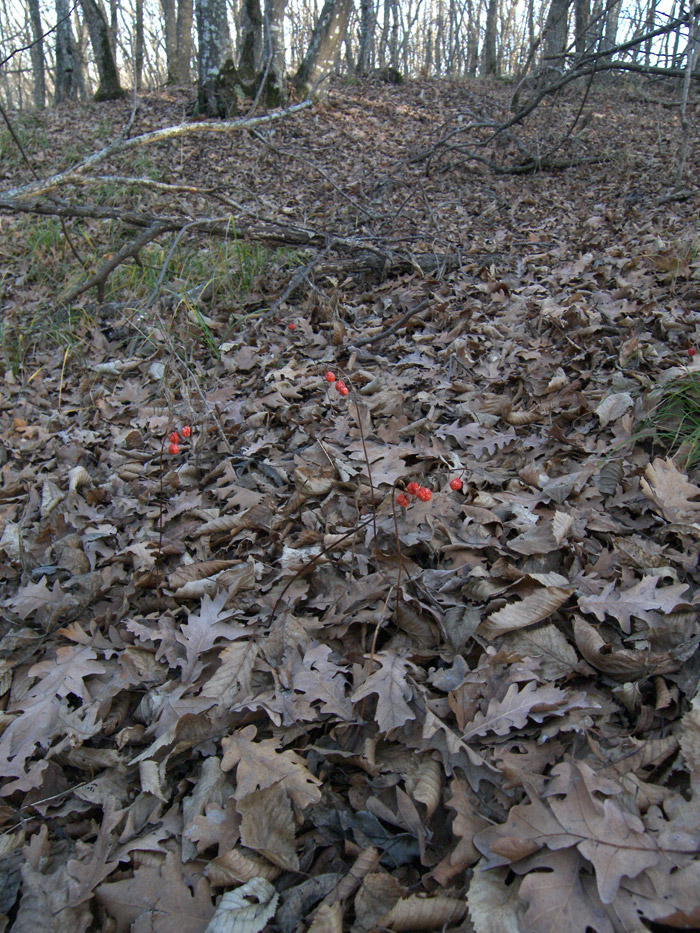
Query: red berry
456, 483
292, 326
343, 389
425, 495
173, 449
403, 500
330, 377
692, 351
174, 437
412, 489
186, 431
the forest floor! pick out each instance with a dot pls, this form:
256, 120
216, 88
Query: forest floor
243, 686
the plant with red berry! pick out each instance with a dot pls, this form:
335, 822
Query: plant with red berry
173, 448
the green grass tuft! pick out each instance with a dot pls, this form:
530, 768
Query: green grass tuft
674, 422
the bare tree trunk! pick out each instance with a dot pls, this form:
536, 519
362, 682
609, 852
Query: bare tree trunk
170, 29
275, 61
611, 19
394, 40
67, 80
100, 39
214, 48
489, 65
138, 45
37, 53
651, 16
368, 21
555, 33
178, 16
581, 14
250, 39
183, 32
427, 67
692, 57
324, 46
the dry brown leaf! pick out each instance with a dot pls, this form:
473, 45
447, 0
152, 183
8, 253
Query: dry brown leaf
245, 910
236, 867
424, 913
327, 919
267, 826
527, 611
671, 492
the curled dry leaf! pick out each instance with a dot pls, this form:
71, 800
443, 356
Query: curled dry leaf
78, 477
245, 910
531, 609
424, 913
198, 571
620, 663
427, 785
518, 418
236, 867
327, 919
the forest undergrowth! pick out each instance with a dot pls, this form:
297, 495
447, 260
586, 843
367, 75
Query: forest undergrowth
265, 663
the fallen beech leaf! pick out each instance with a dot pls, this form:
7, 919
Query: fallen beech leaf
245, 910
531, 609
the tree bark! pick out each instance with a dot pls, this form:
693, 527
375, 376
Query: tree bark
67, 80
555, 33
138, 45
109, 87
611, 19
37, 54
323, 49
214, 49
250, 39
581, 15
275, 83
183, 33
170, 31
368, 21
490, 61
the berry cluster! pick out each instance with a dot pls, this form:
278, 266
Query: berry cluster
174, 438
422, 492
340, 386
413, 489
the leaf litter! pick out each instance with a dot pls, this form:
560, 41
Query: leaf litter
244, 689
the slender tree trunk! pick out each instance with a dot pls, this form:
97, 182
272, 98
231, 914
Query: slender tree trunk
67, 80
250, 39
368, 21
37, 54
427, 67
98, 29
611, 20
324, 46
394, 40
555, 33
138, 45
183, 33
651, 16
214, 48
489, 64
275, 59
581, 14
170, 30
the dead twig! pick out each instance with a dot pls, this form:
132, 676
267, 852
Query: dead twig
394, 327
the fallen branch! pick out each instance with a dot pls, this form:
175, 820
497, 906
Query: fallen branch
366, 255
122, 144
